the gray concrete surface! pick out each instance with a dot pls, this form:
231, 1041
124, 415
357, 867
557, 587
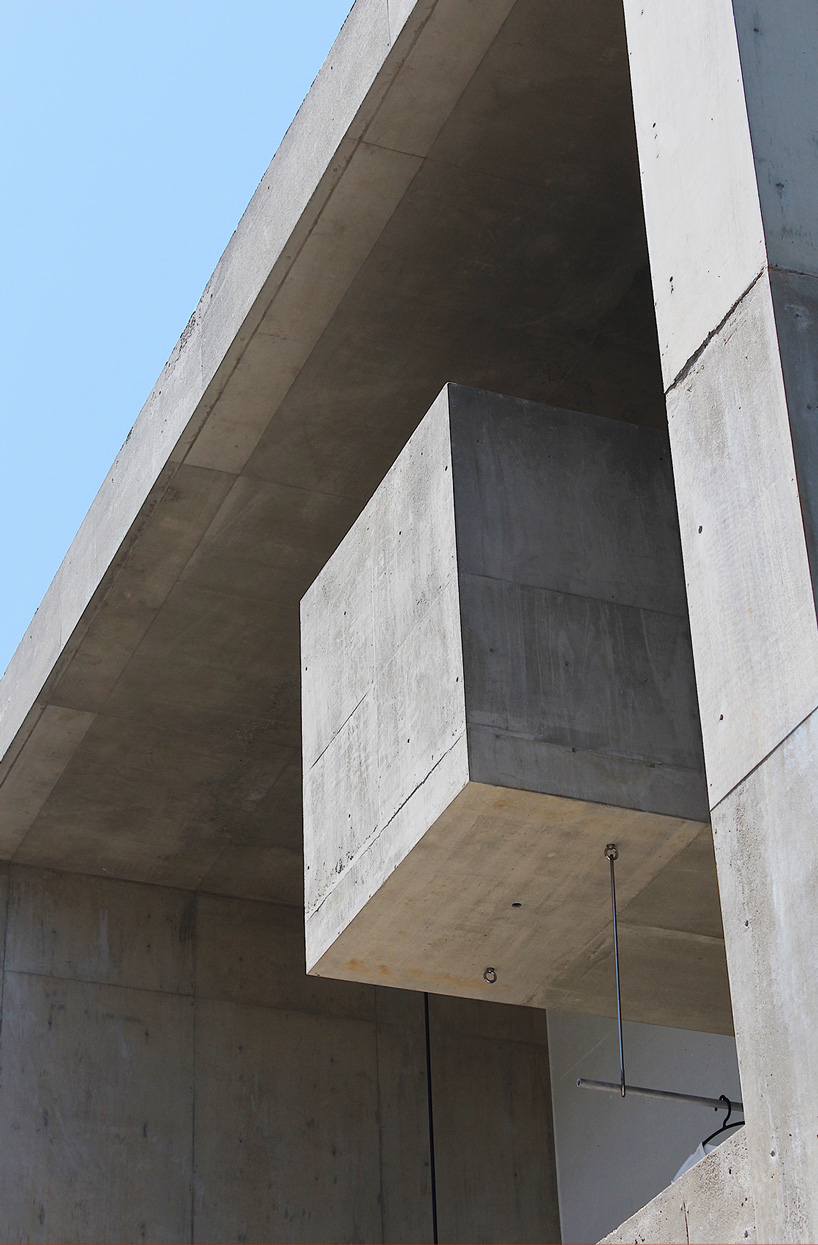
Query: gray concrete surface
795, 307
169, 1073
497, 681
92, 1154
489, 1063
752, 613
740, 401
575, 640
458, 198
765, 828
712, 1204
706, 247
615, 1156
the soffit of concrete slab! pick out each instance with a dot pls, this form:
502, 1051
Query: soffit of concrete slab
457, 199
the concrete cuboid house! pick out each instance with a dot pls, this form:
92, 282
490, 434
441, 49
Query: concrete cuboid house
586, 233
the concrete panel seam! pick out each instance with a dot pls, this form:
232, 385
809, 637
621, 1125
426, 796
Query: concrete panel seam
691, 362
418, 623
212, 471
310, 1013
582, 596
670, 932
338, 730
268, 305
418, 33
298, 488
764, 759
270, 903
794, 272
209, 402
21, 740
93, 981
477, 173
194, 1085
108, 578
196, 891
509, 732
374, 838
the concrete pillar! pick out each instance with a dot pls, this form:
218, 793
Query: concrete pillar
725, 105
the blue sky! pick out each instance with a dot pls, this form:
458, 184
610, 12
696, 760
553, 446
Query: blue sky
132, 136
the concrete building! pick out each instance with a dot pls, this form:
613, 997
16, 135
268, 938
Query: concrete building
402, 496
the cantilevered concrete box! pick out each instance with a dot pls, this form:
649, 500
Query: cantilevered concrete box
497, 681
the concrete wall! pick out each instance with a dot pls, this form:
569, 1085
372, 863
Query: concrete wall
169, 1073
711, 1202
576, 645
613, 1156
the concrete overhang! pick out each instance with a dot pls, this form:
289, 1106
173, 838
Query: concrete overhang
457, 200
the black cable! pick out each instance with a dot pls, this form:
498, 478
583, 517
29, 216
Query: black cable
431, 1119
724, 1127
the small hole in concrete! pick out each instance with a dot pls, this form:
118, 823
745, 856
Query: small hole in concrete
516, 905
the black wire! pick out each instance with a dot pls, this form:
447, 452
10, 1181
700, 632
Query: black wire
431, 1120
724, 1127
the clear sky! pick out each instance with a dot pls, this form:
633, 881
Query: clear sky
132, 136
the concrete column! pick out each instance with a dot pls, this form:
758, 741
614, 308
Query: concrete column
724, 99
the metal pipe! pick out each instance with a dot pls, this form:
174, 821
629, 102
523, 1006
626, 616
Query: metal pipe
612, 854
718, 1104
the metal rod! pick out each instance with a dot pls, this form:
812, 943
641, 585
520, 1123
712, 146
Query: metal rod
612, 854
718, 1104
611, 1087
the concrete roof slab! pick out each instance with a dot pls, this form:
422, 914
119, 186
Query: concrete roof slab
457, 199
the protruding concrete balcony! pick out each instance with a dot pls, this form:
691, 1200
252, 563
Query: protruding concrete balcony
497, 681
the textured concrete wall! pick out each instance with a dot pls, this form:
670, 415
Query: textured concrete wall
383, 726
169, 1073
712, 1202
725, 117
576, 648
